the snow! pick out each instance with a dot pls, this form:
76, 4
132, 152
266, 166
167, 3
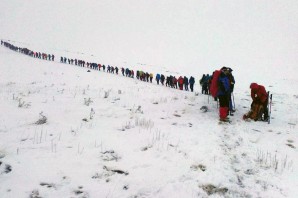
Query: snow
158, 137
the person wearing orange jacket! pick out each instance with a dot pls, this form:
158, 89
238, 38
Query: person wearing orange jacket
259, 95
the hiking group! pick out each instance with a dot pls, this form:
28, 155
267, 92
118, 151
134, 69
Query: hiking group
170, 81
220, 84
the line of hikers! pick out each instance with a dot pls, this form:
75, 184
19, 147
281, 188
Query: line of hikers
171, 81
220, 84
28, 52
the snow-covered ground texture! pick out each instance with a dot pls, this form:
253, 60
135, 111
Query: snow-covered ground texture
66, 132
111, 136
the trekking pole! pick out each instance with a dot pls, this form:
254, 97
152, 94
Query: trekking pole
270, 104
233, 104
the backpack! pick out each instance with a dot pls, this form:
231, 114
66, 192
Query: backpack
214, 83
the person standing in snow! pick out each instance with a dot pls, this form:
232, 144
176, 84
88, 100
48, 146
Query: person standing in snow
122, 70
157, 78
151, 77
223, 94
180, 82
191, 83
162, 79
168, 81
185, 80
175, 82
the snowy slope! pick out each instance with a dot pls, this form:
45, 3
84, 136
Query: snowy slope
155, 134
112, 136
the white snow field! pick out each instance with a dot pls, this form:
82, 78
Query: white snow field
66, 132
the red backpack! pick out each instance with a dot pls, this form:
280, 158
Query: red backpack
214, 83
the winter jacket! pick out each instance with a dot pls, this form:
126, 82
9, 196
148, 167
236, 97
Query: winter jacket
258, 93
224, 85
157, 76
185, 80
191, 80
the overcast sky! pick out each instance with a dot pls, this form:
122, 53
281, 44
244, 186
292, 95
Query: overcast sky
191, 37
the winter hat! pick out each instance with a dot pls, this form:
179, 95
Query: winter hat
253, 85
223, 68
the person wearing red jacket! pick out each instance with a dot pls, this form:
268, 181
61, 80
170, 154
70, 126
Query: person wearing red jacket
180, 82
259, 95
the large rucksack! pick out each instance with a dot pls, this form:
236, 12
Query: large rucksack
214, 83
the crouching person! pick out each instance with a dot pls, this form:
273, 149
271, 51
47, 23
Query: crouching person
259, 105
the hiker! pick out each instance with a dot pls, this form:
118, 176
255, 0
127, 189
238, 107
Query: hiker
175, 82
168, 81
122, 71
162, 79
127, 72
185, 83
157, 78
151, 77
180, 82
259, 109
201, 81
223, 94
191, 83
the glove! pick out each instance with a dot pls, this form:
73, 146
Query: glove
244, 117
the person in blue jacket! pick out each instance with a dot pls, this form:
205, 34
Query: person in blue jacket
224, 94
157, 78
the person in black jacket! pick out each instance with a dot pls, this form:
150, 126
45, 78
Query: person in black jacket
162, 79
191, 83
185, 83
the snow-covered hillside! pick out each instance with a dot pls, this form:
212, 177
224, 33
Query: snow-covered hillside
66, 132
98, 123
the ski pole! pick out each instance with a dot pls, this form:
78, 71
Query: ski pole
270, 108
233, 104
208, 98
268, 102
